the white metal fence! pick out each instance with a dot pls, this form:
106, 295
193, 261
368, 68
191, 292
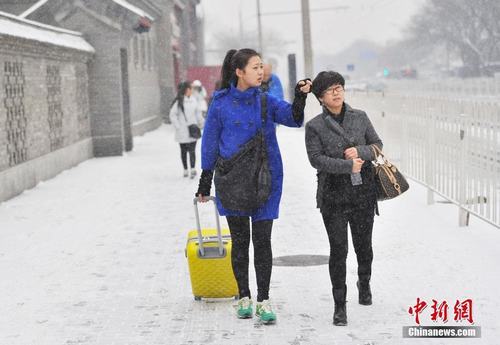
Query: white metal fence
451, 146
477, 88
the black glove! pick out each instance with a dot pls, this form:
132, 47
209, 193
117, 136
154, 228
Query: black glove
205, 183
299, 93
299, 102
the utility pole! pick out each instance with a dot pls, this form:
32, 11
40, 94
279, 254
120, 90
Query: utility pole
261, 48
241, 22
306, 34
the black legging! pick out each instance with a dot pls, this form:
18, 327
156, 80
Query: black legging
263, 255
185, 148
361, 223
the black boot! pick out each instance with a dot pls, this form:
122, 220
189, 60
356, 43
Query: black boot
365, 294
340, 313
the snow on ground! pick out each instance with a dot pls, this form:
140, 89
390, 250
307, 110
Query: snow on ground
96, 256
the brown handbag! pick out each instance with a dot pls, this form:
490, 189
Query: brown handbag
389, 180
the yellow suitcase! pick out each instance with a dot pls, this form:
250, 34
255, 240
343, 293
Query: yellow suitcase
208, 253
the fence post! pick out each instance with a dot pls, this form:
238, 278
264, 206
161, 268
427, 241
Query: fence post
463, 214
403, 119
429, 157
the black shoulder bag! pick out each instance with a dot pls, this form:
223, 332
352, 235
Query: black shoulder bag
194, 130
243, 182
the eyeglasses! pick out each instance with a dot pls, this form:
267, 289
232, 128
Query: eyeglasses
334, 89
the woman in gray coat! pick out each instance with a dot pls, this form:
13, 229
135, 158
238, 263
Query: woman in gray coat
338, 145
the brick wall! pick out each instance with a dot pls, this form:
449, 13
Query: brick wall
44, 112
144, 83
44, 100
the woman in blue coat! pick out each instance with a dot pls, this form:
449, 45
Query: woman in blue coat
233, 118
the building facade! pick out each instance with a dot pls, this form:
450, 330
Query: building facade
45, 110
125, 85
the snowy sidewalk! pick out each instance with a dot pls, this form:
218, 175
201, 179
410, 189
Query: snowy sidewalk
96, 256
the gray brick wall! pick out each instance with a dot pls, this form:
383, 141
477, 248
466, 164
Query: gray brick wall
144, 84
105, 90
32, 116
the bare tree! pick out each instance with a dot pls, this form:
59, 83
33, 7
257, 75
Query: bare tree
467, 27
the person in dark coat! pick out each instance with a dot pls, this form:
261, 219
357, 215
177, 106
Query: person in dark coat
233, 118
338, 145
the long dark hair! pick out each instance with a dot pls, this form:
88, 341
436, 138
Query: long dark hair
181, 91
234, 59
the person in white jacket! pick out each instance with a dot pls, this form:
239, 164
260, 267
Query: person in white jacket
200, 94
185, 111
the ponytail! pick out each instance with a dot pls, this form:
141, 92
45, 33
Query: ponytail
181, 90
234, 59
227, 72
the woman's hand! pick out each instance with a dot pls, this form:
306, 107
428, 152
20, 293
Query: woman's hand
305, 85
202, 198
357, 163
351, 153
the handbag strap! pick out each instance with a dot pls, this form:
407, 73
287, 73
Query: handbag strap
378, 152
263, 108
182, 111
386, 166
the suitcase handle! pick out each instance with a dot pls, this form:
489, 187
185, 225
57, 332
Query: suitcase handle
198, 226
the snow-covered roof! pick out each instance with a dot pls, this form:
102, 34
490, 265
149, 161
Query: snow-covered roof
15, 26
133, 9
33, 8
123, 3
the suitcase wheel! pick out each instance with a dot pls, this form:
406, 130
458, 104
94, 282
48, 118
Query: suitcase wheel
197, 298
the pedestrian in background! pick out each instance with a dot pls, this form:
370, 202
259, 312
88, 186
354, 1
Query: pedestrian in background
200, 94
338, 146
185, 111
234, 118
271, 83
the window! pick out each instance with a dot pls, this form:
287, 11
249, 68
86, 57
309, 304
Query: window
135, 51
143, 51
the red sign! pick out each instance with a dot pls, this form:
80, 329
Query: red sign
461, 310
208, 75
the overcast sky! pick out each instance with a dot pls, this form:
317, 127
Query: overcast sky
332, 29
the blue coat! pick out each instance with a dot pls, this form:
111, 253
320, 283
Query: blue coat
234, 118
275, 88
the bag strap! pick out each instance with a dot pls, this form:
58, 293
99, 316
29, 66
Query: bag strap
377, 150
263, 108
183, 113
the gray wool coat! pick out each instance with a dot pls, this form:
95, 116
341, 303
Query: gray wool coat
326, 141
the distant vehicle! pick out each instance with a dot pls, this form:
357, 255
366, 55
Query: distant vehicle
376, 86
356, 86
408, 73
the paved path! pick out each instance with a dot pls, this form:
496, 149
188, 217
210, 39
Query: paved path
96, 256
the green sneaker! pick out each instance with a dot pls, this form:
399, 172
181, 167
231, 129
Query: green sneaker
245, 310
264, 312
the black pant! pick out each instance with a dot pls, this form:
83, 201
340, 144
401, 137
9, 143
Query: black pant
263, 255
185, 148
361, 224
